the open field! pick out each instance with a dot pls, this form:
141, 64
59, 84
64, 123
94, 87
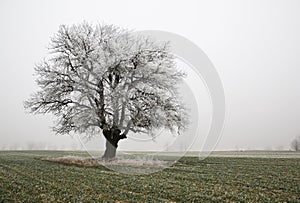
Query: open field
24, 177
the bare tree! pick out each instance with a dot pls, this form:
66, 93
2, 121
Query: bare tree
102, 78
296, 144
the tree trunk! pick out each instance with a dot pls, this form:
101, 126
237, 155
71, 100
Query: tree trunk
112, 136
110, 151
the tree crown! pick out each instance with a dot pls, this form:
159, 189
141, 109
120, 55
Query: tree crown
103, 77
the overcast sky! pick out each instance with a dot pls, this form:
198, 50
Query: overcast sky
254, 45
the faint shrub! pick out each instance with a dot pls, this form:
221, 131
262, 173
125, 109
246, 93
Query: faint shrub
296, 144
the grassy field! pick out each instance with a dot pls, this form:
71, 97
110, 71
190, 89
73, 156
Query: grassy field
25, 177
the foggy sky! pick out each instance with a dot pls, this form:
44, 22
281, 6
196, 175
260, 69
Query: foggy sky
254, 45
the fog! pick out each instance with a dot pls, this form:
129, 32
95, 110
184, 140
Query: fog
254, 45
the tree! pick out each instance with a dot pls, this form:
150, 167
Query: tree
101, 78
296, 144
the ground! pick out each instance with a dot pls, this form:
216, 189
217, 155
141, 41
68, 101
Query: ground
223, 177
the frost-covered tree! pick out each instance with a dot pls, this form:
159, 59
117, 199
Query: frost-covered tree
296, 144
101, 78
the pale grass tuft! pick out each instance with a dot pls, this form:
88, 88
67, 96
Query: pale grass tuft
89, 162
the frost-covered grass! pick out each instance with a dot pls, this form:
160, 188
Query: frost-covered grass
26, 177
73, 160
98, 161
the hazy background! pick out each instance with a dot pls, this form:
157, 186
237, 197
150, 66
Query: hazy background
254, 45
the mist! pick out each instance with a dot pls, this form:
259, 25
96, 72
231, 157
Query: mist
254, 45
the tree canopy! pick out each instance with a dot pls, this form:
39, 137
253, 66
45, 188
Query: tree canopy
101, 77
